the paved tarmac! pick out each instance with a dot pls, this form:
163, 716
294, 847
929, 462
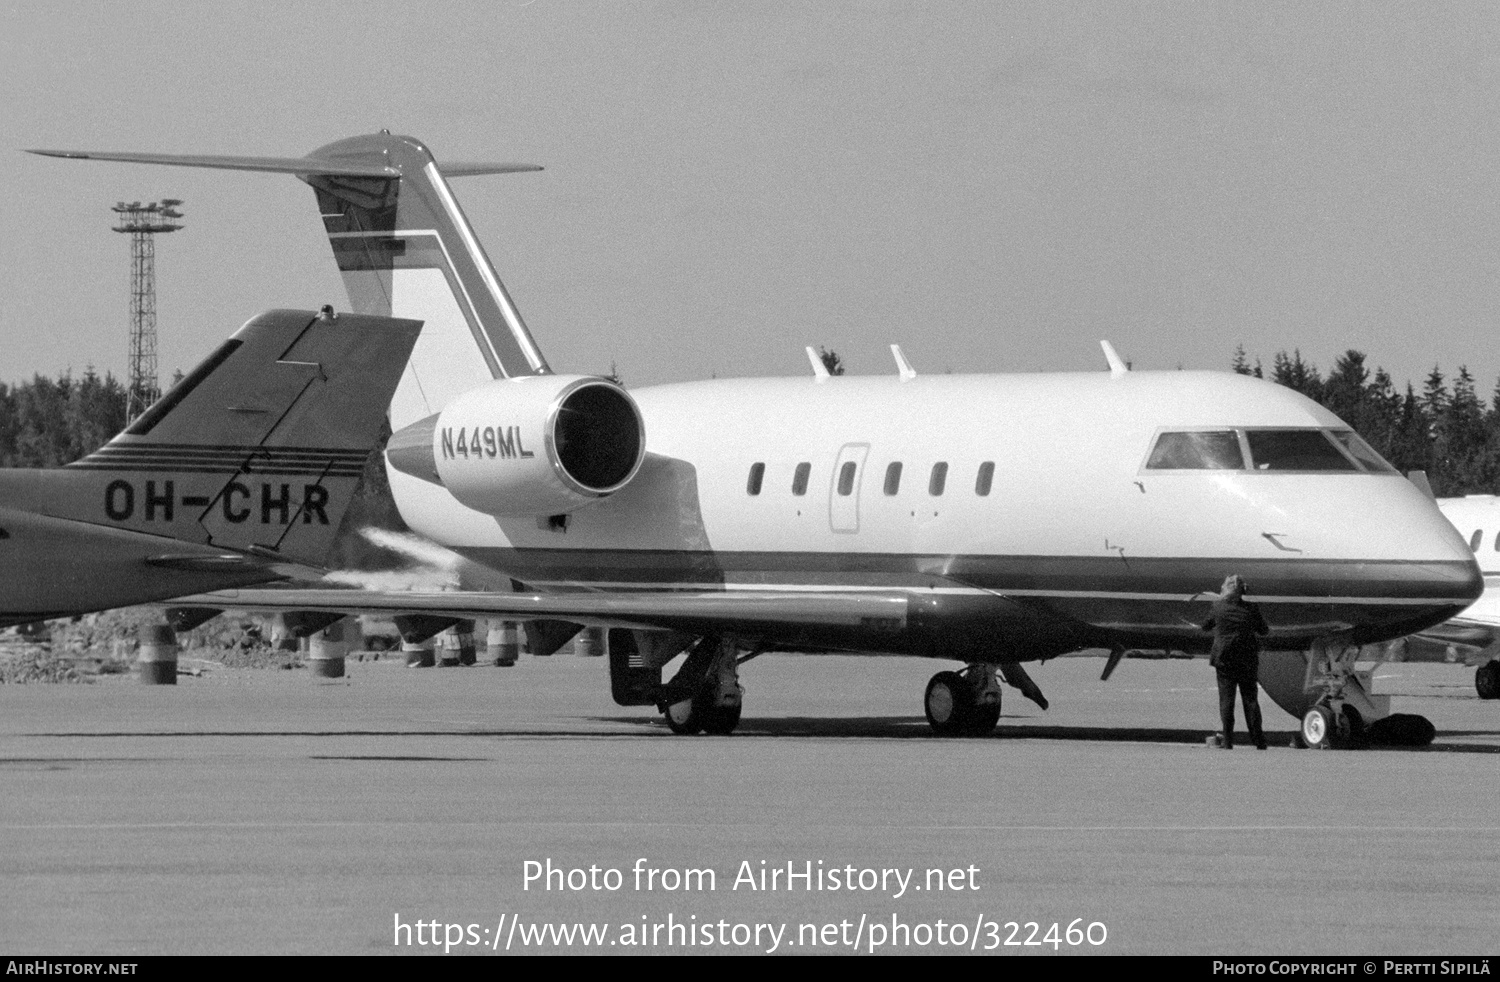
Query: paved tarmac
260, 811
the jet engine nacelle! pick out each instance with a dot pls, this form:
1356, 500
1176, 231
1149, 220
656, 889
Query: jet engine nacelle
531, 445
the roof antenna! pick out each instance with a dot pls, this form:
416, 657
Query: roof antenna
902, 365
1117, 365
820, 370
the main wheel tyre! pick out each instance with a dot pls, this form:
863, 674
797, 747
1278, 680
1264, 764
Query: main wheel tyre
1349, 731
1487, 680
684, 718
1318, 728
982, 719
947, 703
720, 720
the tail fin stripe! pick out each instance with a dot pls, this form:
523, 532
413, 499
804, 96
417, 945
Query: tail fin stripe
188, 450
224, 469
476, 254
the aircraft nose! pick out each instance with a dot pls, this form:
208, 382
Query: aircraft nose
1473, 584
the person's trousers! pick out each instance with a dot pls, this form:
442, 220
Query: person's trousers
1246, 686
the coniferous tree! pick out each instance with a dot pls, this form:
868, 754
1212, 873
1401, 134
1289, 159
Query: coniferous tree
1452, 435
47, 422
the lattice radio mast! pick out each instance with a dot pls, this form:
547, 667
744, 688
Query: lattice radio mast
143, 222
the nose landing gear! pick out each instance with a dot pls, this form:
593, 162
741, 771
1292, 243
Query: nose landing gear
1344, 713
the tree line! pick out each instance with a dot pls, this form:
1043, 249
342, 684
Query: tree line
1446, 429
49, 422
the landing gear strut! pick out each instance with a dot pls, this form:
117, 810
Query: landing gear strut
963, 703
1344, 713
709, 686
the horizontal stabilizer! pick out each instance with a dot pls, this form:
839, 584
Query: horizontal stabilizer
280, 165
476, 170
403, 248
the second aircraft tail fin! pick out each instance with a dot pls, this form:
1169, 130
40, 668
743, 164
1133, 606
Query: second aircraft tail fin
258, 449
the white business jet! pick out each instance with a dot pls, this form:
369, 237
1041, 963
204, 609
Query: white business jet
988, 519
1473, 637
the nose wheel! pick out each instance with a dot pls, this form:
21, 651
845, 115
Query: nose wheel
963, 703
1325, 727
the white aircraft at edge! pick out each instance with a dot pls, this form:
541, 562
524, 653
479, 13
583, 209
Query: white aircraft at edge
990, 519
1473, 637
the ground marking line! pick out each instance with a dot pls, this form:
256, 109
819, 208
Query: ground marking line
75, 826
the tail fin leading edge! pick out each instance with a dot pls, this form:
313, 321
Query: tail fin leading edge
404, 249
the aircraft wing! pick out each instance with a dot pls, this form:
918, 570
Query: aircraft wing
750, 613
1473, 641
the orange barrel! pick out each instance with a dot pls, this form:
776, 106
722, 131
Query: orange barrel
448, 642
326, 651
157, 658
589, 643
418, 653
354, 635
502, 644
465, 632
282, 637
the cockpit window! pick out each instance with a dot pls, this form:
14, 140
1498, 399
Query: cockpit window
1197, 451
1363, 452
1296, 450
1302, 450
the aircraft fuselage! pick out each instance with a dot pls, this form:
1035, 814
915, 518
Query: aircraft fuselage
1023, 515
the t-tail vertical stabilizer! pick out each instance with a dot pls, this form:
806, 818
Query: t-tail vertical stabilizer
405, 249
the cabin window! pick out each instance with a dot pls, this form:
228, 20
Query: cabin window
1475, 539
1296, 450
1497, 541
757, 474
1363, 452
799, 478
939, 478
893, 478
846, 478
985, 478
1207, 450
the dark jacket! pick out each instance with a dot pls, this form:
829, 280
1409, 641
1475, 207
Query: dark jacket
1237, 628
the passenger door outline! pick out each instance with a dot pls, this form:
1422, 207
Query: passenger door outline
843, 510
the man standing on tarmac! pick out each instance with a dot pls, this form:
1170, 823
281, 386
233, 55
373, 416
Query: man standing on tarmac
1237, 628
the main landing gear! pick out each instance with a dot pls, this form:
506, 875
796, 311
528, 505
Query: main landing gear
1487, 680
963, 703
705, 695
1344, 713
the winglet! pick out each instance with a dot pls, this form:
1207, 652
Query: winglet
1117, 366
1419, 478
903, 367
820, 370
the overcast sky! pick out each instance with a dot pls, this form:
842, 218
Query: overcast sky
995, 186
